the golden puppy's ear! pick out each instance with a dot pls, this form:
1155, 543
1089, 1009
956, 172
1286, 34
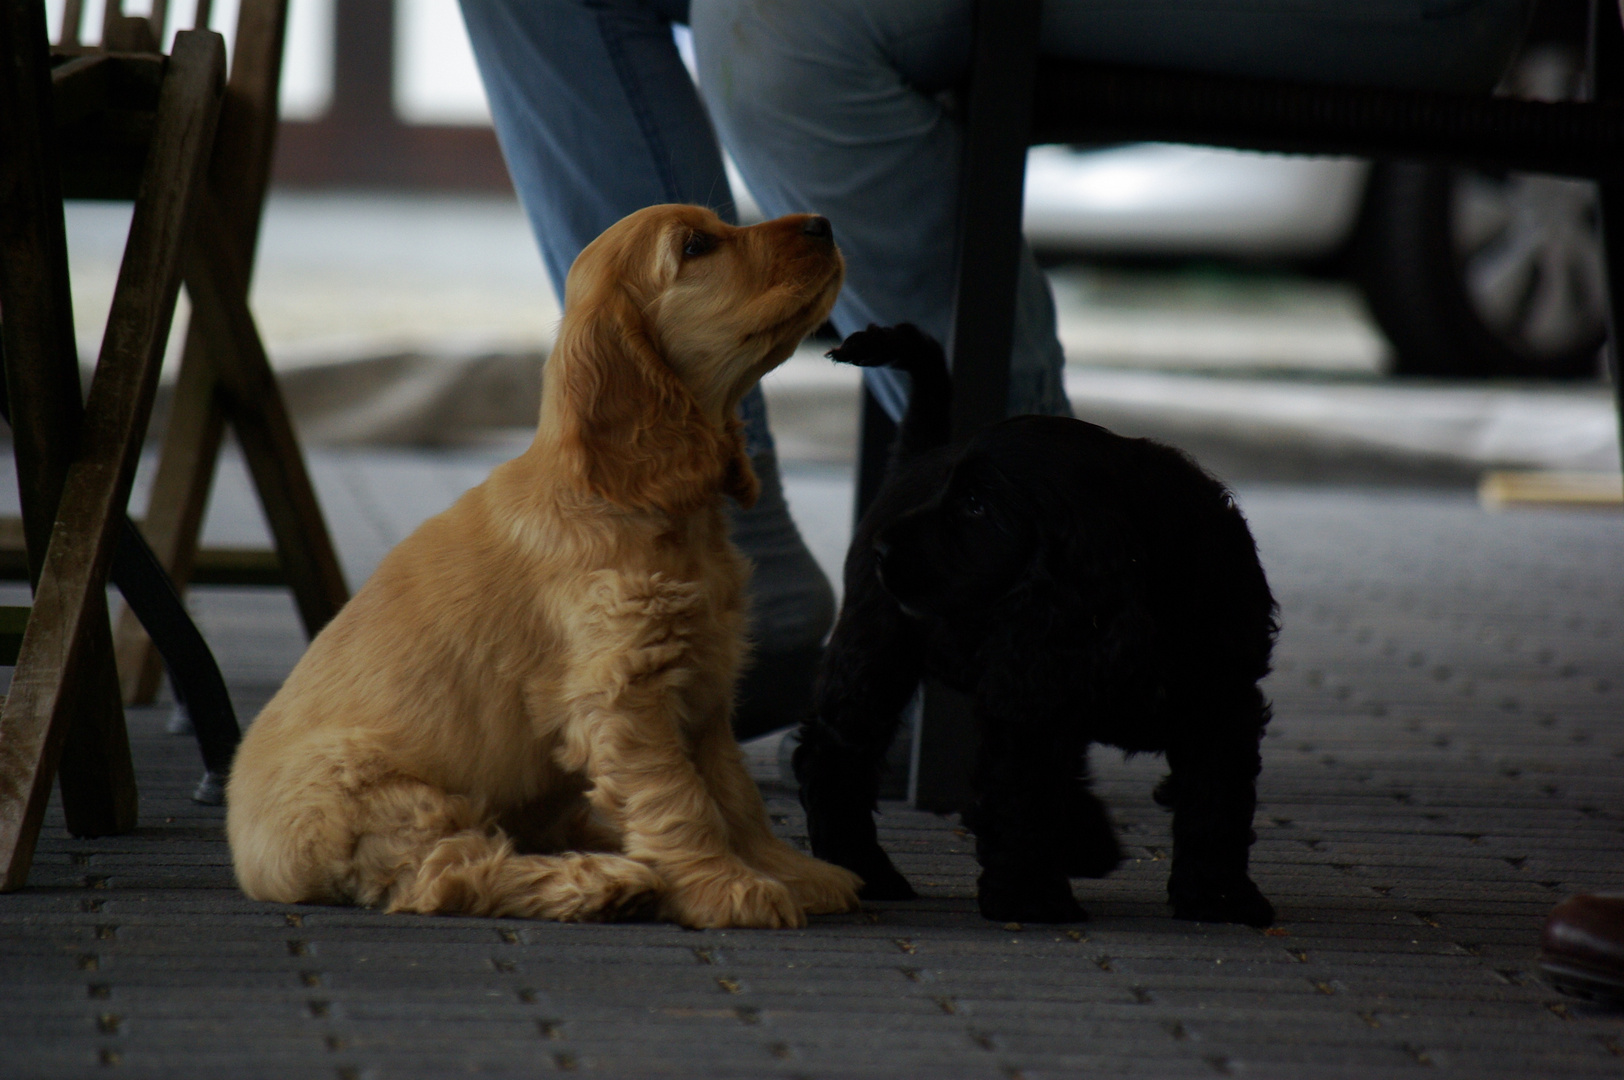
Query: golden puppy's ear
637, 436
740, 480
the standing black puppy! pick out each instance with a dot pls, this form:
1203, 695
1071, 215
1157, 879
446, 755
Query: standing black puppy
1083, 587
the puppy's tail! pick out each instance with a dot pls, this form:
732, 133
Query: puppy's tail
928, 423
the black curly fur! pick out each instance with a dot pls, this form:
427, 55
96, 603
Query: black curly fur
1082, 587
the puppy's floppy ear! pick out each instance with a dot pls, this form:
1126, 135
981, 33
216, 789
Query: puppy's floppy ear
740, 480
637, 436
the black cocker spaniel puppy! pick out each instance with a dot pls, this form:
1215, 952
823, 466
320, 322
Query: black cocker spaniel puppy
1083, 587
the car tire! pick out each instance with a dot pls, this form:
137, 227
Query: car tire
1476, 274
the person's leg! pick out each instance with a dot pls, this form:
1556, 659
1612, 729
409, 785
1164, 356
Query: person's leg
834, 108
597, 117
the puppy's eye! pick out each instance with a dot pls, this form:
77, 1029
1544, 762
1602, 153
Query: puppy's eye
698, 244
972, 507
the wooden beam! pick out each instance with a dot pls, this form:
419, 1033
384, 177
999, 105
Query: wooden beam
92, 755
239, 178
60, 643
253, 403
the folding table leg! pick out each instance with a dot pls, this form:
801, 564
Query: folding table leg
174, 517
42, 368
217, 283
53, 665
229, 377
998, 121
95, 772
239, 177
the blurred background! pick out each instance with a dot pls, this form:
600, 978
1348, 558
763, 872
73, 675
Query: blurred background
1285, 318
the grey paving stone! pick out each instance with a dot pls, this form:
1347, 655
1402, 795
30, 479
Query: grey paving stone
1446, 762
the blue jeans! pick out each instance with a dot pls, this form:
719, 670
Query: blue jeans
598, 117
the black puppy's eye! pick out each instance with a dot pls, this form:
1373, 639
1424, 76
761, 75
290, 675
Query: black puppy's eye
698, 244
972, 507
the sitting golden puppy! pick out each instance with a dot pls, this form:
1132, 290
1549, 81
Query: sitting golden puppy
526, 710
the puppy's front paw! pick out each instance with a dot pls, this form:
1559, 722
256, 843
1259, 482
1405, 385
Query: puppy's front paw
732, 896
1218, 898
1027, 898
881, 880
885, 882
624, 889
820, 888
1090, 851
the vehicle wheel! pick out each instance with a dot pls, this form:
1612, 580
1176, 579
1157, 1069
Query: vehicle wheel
1477, 273
1470, 273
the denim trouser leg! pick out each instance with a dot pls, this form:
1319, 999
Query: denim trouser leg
830, 107
596, 115
597, 118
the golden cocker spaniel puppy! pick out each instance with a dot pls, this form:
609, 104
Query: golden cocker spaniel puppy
525, 711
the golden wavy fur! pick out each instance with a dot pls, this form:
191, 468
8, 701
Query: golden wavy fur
526, 710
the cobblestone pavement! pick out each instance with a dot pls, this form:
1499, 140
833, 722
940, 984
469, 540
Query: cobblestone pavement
1446, 763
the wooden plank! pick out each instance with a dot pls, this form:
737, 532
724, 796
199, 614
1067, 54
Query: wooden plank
42, 370
214, 565
129, 33
241, 170
53, 670
239, 174
71, 15
1502, 488
248, 389
95, 770
175, 506
42, 363
253, 403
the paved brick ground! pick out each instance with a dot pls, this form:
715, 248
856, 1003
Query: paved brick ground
1447, 761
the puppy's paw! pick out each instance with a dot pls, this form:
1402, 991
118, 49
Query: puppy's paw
884, 881
822, 889
732, 896
879, 346
1092, 857
881, 880
1027, 898
1090, 850
1218, 898
624, 890
819, 887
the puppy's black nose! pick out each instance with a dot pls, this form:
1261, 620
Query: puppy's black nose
818, 226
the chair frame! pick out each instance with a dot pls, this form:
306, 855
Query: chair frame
225, 376
76, 464
193, 148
